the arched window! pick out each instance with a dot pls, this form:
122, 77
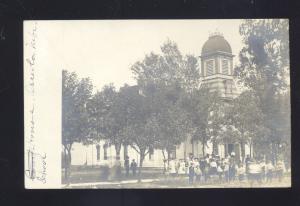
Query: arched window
151, 152
105, 151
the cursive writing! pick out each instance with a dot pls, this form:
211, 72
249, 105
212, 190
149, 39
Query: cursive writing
36, 167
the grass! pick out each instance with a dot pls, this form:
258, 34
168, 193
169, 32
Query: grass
96, 174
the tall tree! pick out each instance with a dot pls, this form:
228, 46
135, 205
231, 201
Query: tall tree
198, 106
216, 121
141, 125
102, 117
75, 125
173, 124
264, 67
245, 116
163, 79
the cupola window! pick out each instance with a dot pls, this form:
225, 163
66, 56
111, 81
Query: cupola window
209, 67
225, 69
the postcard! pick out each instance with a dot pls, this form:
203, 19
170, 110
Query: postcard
157, 104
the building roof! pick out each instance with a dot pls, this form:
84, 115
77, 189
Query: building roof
216, 43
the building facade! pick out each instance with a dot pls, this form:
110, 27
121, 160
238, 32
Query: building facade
217, 74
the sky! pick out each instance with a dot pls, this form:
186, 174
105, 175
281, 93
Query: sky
104, 50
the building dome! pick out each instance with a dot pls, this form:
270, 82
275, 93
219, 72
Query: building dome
216, 43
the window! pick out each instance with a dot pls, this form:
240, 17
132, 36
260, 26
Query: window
225, 69
209, 67
173, 153
105, 151
230, 148
151, 152
98, 152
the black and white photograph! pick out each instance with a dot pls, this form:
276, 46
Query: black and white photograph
157, 103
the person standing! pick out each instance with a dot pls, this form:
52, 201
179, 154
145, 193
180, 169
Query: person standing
181, 169
133, 167
187, 164
213, 167
126, 165
202, 165
262, 165
247, 161
220, 172
269, 171
241, 172
226, 171
198, 173
172, 168
280, 170
118, 170
232, 167
191, 173
207, 159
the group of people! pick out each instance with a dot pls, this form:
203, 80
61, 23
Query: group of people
115, 172
130, 166
213, 168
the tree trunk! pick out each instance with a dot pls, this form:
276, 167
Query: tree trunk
184, 154
66, 163
243, 150
68, 160
142, 157
163, 154
215, 148
203, 149
250, 149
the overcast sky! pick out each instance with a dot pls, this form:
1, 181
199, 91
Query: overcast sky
105, 50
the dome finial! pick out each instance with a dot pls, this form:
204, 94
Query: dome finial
215, 33
216, 43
